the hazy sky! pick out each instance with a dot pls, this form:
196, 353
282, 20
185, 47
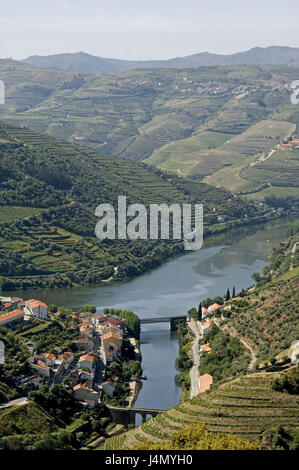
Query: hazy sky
139, 29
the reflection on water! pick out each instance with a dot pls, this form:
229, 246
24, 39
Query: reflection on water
225, 261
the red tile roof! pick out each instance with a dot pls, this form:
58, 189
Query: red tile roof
33, 303
11, 315
205, 382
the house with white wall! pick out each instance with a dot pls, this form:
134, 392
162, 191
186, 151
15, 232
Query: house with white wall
36, 309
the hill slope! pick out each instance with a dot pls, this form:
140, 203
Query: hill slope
82, 62
49, 190
192, 121
246, 407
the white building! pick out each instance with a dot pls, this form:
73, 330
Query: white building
36, 308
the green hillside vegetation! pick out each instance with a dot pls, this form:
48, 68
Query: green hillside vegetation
227, 358
15, 364
261, 136
59, 185
262, 177
197, 437
246, 407
26, 419
51, 420
175, 117
269, 321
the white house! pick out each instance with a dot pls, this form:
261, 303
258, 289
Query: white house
67, 358
212, 308
36, 308
87, 361
86, 394
49, 359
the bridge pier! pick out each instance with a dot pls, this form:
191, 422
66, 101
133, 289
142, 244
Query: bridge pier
126, 416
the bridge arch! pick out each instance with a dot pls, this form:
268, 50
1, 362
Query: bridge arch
127, 416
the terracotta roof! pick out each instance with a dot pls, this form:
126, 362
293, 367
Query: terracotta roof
7, 304
81, 386
111, 335
87, 328
87, 357
66, 355
49, 356
35, 303
11, 315
42, 365
214, 307
238, 298
115, 321
205, 382
208, 324
206, 347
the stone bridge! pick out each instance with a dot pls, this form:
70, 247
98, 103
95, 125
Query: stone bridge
126, 416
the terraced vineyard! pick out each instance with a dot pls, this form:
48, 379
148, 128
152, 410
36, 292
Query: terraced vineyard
246, 407
191, 120
49, 190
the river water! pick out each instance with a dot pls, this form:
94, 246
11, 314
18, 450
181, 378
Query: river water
172, 289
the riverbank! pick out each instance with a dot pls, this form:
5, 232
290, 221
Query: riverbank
167, 250
224, 261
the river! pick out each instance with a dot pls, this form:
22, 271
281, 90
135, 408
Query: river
224, 261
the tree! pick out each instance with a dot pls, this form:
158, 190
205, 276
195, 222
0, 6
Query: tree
227, 296
52, 308
89, 308
256, 277
197, 437
193, 313
234, 292
199, 315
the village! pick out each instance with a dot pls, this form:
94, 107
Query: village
200, 325
82, 370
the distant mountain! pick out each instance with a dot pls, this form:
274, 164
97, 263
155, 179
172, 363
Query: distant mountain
82, 62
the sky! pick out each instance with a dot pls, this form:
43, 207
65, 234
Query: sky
139, 29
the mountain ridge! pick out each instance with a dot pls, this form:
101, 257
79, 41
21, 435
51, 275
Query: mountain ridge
88, 63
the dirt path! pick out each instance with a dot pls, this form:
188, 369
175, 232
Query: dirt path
112, 277
18, 401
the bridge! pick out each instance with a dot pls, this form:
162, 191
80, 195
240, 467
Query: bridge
126, 416
171, 320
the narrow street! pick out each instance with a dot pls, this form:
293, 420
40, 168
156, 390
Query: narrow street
194, 370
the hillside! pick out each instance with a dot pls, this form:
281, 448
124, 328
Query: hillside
268, 320
246, 407
49, 190
82, 62
195, 122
